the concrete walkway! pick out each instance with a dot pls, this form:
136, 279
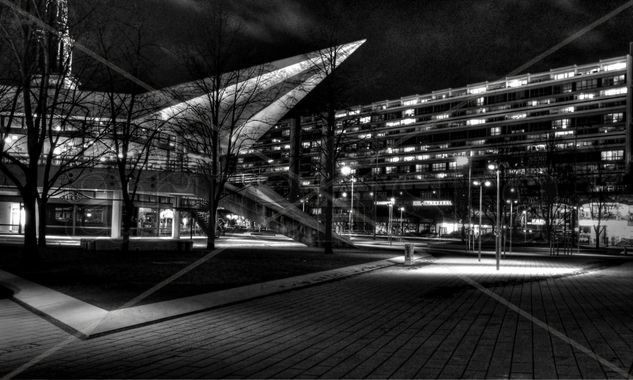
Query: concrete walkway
537, 317
85, 320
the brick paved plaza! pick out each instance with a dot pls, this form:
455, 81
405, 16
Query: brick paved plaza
450, 317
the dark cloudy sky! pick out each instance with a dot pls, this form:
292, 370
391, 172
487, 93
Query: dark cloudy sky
418, 46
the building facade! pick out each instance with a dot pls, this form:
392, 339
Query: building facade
68, 152
562, 141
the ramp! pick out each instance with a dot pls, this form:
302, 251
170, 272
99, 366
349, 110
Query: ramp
265, 206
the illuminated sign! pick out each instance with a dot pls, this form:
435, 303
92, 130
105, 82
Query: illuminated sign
384, 203
432, 203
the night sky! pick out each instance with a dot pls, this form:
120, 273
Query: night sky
412, 46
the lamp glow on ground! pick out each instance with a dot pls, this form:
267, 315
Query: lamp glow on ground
452, 266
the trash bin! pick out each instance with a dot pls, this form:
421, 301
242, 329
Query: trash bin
409, 249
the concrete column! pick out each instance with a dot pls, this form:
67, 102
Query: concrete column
37, 219
294, 172
117, 213
74, 220
628, 154
175, 222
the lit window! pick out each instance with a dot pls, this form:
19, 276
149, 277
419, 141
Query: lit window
612, 155
420, 168
518, 116
408, 149
568, 109
365, 119
568, 74
560, 124
613, 117
409, 158
390, 169
496, 131
408, 113
410, 102
517, 82
441, 116
536, 147
615, 66
423, 157
480, 101
585, 96
613, 91
619, 79
477, 90
439, 166
475, 121
563, 133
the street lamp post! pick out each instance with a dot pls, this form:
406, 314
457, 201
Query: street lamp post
401, 222
389, 224
524, 227
481, 198
346, 170
461, 161
512, 202
498, 230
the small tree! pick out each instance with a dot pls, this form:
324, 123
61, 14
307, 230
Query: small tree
599, 206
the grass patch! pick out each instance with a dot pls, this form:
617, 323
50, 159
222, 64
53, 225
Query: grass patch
109, 280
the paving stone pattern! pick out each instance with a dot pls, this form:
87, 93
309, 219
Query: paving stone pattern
400, 322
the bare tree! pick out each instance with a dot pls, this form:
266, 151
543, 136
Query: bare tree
331, 96
129, 119
219, 109
599, 206
45, 130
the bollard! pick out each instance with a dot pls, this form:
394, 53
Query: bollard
409, 249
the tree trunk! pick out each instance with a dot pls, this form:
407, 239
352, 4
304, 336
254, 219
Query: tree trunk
41, 239
328, 188
598, 233
126, 219
31, 252
212, 211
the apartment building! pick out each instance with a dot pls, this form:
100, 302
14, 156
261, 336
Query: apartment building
559, 137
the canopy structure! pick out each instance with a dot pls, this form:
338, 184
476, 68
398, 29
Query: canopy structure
266, 92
